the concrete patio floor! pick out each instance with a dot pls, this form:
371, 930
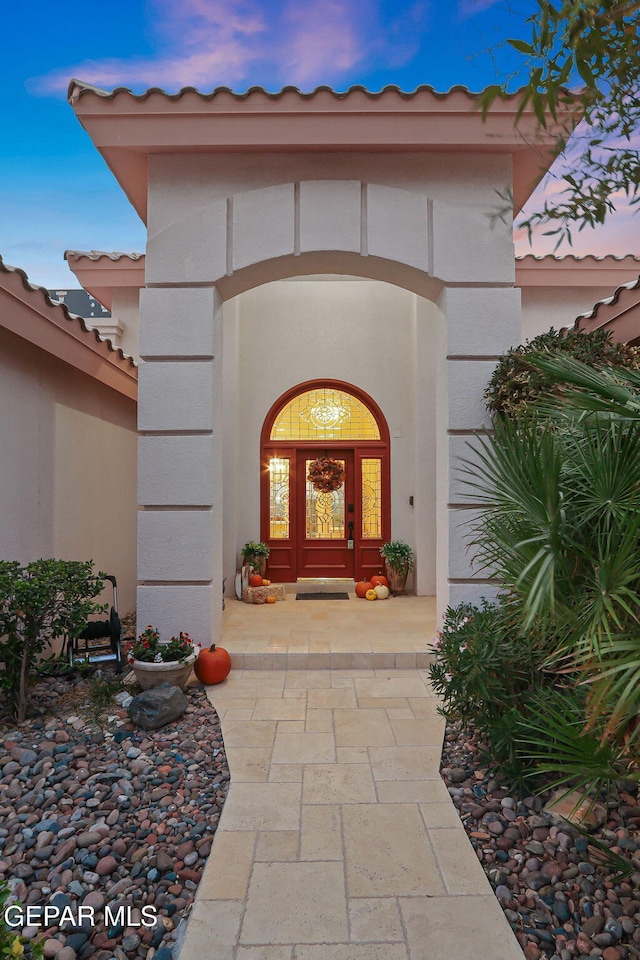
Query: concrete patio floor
338, 839
340, 634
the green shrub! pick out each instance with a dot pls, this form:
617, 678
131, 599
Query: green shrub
516, 382
255, 553
40, 602
561, 532
398, 555
488, 673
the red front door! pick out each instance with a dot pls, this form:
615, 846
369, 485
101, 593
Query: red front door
325, 521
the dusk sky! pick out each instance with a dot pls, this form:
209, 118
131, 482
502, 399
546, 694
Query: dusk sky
55, 190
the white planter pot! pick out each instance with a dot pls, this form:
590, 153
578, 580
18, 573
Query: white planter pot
175, 672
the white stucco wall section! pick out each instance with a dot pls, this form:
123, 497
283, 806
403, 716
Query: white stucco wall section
286, 221
480, 325
222, 226
125, 309
180, 425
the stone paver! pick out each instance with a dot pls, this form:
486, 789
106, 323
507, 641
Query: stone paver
338, 840
303, 636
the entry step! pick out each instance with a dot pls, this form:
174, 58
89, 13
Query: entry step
321, 586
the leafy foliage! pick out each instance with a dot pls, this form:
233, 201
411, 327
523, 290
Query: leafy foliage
255, 553
398, 555
562, 532
150, 649
487, 672
39, 602
551, 675
594, 46
517, 382
555, 741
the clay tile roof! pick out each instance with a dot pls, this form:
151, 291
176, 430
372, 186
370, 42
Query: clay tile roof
77, 89
100, 254
620, 292
551, 258
41, 298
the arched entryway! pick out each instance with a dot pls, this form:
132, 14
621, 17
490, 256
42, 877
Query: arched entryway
323, 533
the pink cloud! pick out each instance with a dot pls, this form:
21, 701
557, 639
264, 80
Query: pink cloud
319, 33
206, 43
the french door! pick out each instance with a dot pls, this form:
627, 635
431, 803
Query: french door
313, 533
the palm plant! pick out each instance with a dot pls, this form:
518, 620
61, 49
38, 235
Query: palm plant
562, 533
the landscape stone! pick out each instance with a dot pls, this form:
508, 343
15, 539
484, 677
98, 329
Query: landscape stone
157, 707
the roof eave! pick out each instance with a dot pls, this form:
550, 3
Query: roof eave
127, 128
32, 315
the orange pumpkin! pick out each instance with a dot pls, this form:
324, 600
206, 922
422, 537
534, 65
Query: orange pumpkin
371, 594
379, 581
362, 587
271, 599
213, 665
266, 583
255, 580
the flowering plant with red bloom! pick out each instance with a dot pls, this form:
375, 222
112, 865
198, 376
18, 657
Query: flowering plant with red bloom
150, 649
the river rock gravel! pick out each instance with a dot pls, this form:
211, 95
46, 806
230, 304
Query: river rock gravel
96, 813
560, 898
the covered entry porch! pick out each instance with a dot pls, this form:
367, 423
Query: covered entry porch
337, 634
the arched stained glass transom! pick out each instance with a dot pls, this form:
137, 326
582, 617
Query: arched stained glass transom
325, 413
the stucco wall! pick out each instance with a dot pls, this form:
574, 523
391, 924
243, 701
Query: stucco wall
68, 466
558, 307
180, 184
362, 332
126, 307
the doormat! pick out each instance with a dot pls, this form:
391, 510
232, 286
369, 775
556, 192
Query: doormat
322, 596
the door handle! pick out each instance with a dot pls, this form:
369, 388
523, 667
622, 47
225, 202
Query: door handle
350, 545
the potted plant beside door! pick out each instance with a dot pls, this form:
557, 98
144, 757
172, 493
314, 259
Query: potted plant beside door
398, 559
255, 555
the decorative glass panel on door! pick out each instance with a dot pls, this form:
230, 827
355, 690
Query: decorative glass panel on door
325, 414
371, 498
324, 513
279, 482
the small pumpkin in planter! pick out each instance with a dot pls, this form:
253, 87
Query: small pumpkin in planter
213, 665
381, 591
362, 587
371, 594
379, 581
255, 580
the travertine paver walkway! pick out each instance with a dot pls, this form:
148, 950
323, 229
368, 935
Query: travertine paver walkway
338, 839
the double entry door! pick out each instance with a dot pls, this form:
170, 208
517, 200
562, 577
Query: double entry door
317, 534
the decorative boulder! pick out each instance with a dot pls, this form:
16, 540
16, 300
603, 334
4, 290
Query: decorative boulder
156, 707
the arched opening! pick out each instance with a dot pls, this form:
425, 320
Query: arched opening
329, 526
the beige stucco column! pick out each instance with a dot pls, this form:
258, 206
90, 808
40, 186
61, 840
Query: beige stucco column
179, 462
481, 324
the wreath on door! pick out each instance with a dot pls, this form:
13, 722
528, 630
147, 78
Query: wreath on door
326, 474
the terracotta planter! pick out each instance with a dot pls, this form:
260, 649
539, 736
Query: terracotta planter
257, 564
397, 580
174, 672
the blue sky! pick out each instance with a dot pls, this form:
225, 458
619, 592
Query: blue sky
55, 191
